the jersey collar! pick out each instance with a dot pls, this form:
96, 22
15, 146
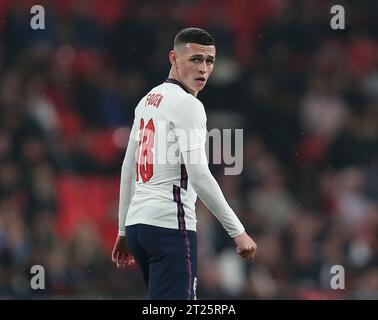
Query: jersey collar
174, 81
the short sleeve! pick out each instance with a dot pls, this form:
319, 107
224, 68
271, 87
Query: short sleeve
189, 119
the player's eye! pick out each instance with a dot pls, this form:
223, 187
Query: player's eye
209, 61
196, 59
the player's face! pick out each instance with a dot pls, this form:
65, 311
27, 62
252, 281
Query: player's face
195, 63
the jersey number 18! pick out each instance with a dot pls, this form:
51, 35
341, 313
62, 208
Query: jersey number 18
144, 163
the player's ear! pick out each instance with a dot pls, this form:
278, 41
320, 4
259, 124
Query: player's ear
172, 57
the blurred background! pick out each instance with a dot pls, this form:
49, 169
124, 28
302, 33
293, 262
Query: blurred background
305, 95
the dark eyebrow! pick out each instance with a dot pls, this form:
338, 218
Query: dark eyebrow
202, 56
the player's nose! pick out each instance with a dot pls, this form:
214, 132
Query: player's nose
203, 67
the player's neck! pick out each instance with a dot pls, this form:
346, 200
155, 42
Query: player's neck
173, 75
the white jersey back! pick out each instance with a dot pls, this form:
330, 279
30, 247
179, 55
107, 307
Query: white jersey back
168, 121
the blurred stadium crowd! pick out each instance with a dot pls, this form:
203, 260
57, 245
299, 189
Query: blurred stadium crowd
305, 95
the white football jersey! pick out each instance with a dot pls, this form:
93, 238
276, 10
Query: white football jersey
168, 121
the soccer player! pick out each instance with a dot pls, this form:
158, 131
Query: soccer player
157, 220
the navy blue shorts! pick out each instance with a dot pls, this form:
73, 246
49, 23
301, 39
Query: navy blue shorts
168, 259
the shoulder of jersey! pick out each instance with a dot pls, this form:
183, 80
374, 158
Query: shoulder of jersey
177, 93
190, 99
175, 89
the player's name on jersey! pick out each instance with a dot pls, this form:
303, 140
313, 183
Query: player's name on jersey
154, 99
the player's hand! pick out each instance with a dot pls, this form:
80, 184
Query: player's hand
121, 255
245, 246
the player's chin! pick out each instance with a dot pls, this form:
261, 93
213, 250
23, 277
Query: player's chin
199, 85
